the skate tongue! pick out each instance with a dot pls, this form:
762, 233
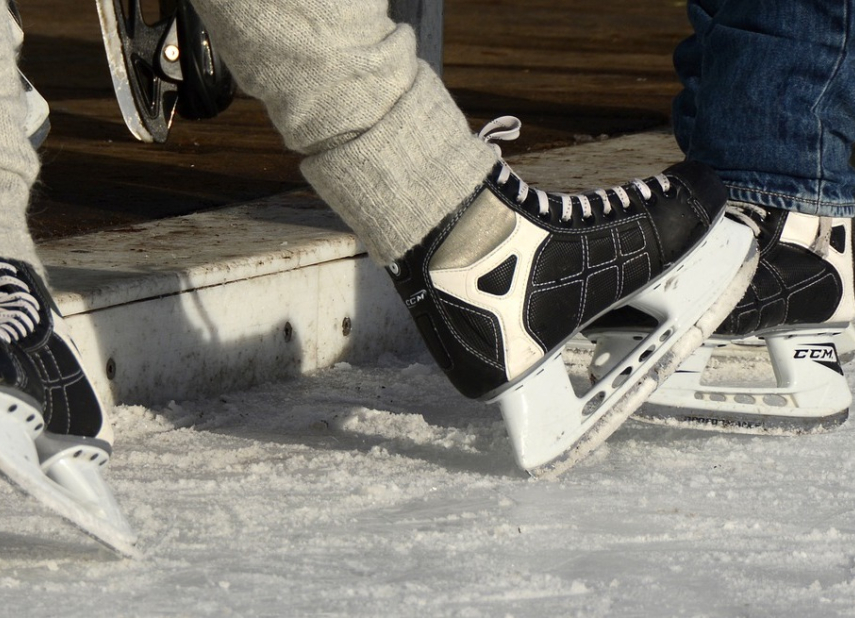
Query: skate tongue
74, 465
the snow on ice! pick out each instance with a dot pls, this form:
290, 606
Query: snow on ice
378, 491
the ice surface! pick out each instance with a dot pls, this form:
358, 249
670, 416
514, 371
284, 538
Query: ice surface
378, 491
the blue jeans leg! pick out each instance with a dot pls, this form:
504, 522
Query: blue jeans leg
769, 100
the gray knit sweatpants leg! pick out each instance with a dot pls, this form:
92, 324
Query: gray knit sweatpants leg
19, 164
385, 145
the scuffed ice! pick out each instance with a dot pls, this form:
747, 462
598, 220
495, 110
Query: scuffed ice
378, 491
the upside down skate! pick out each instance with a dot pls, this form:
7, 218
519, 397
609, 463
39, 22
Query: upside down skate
800, 305
163, 67
499, 286
54, 438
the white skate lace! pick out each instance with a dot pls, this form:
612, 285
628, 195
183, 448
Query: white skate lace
507, 128
19, 310
743, 212
822, 243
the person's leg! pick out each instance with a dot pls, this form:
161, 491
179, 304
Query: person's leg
769, 103
19, 165
497, 275
343, 86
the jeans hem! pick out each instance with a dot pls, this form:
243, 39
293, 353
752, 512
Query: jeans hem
786, 201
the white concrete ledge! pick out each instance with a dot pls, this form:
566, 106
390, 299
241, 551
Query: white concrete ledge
222, 300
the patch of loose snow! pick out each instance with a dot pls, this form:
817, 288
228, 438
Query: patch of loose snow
366, 491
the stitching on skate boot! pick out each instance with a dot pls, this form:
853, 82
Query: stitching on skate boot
795, 286
49, 368
799, 305
491, 345
43, 389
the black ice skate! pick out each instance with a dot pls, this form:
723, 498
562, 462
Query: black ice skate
54, 438
800, 304
162, 68
502, 283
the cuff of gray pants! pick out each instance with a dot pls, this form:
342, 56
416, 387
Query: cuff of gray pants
394, 183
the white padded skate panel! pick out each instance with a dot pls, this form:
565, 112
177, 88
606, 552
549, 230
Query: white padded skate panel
800, 229
521, 350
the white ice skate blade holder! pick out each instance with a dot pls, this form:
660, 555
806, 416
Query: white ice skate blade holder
19, 416
811, 391
551, 427
74, 465
20, 424
69, 485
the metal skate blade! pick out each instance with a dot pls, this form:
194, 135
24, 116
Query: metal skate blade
86, 502
811, 393
146, 100
744, 422
551, 428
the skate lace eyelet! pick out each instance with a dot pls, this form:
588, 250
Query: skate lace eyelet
653, 200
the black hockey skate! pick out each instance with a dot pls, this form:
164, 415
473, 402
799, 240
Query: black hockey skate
800, 305
501, 284
162, 68
54, 437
